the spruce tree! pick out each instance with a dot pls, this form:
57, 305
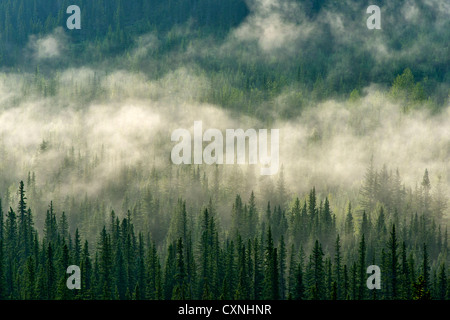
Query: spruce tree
258, 276
338, 268
179, 289
393, 257
442, 283
425, 269
3, 293
362, 269
50, 274
86, 272
282, 269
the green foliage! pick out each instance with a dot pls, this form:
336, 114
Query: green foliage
242, 78
210, 260
406, 90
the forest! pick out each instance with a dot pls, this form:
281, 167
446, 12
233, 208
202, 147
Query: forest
85, 171
297, 252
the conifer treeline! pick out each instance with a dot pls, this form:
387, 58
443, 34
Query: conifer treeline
298, 253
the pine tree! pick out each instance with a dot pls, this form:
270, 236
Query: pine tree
2, 224
368, 190
121, 281
258, 276
169, 273
63, 227
405, 274
380, 225
77, 249
299, 290
346, 286
29, 280
354, 281
242, 290
3, 292
425, 269
349, 227
141, 283
205, 253
292, 273
179, 289
63, 292
362, 269
316, 267
271, 276
312, 206
23, 238
326, 222
86, 273
328, 279
426, 196
50, 226
11, 234
50, 274
365, 225
282, 269
442, 283
252, 217
393, 257
105, 266
338, 268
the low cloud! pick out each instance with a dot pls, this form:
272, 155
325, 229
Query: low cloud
47, 47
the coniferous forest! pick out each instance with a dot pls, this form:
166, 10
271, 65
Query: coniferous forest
86, 178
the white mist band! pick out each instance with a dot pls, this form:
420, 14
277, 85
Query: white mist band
213, 152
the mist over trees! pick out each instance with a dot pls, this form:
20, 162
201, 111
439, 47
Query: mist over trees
300, 250
317, 46
85, 172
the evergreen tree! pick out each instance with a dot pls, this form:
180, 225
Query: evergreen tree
50, 275
105, 284
394, 263
338, 268
29, 280
282, 269
24, 246
316, 267
299, 292
442, 283
2, 223
362, 269
258, 276
271, 275
86, 272
179, 289
3, 292
63, 292
77, 249
405, 274
349, 227
425, 270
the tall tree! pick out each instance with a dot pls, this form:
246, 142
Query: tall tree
105, 266
425, 269
393, 257
338, 268
86, 272
317, 274
362, 269
179, 289
271, 275
349, 225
